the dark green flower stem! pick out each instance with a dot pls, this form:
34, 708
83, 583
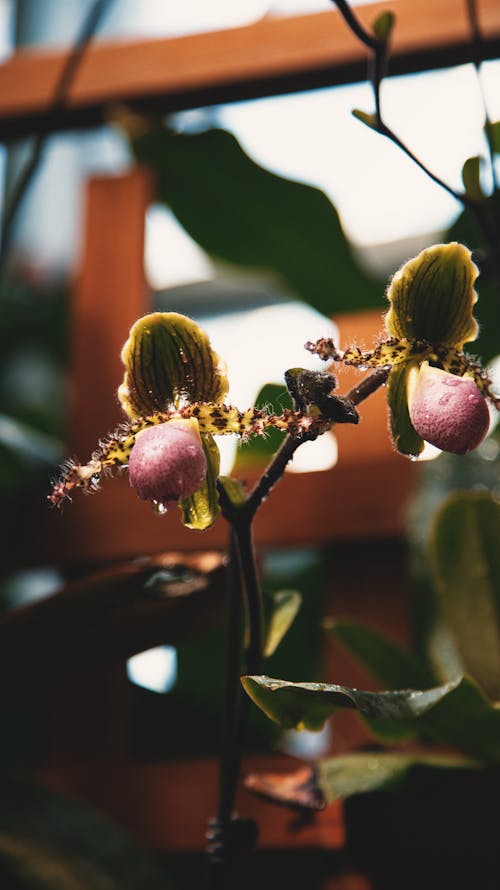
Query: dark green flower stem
243, 583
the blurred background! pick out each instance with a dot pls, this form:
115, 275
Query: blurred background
258, 317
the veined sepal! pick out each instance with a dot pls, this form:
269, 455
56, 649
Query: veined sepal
432, 297
169, 362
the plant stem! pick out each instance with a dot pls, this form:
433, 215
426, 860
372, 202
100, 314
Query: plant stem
233, 656
377, 70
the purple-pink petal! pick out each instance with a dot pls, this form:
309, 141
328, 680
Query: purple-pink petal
448, 411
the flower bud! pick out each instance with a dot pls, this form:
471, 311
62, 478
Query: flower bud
448, 411
168, 462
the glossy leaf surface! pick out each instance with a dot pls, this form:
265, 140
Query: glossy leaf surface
391, 665
308, 705
465, 562
50, 842
281, 609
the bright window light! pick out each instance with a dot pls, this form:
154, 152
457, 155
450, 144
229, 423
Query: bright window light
171, 257
315, 456
155, 669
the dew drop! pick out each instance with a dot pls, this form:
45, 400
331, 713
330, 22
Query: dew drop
159, 508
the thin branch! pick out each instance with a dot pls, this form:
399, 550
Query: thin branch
87, 32
377, 70
476, 48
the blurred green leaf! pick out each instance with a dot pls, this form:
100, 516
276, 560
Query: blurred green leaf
383, 25
465, 719
246, 215
258, 450
361, 773
390, 664
281, 609
464, 550
337, 778
467, 230
49, 842
471, 178
308, 705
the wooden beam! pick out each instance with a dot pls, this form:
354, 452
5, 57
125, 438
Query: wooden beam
273, 56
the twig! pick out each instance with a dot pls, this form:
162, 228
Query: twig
476, 44
73, 62
377, 71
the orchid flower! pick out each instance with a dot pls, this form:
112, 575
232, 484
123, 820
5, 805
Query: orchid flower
435, 391
173, 395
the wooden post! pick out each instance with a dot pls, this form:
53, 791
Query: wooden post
109, 295
91, 713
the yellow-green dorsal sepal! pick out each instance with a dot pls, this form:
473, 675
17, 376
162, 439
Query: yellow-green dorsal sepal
432, 297
169, 362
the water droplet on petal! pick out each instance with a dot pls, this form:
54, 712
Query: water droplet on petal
159, 507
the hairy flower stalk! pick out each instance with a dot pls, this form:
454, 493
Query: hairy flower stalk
219, 419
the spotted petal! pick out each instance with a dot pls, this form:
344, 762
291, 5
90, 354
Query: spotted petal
169, 362
432, 297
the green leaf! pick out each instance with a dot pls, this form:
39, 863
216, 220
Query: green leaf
168, 360
366, 118
383, 25
467, 230
405, 437
246, 215
200, 510
258, 450
311, 788
360, 773
471, 178
464, 550
465, 719
432, 297
388, 663
308, 705
281, 610
49, 842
